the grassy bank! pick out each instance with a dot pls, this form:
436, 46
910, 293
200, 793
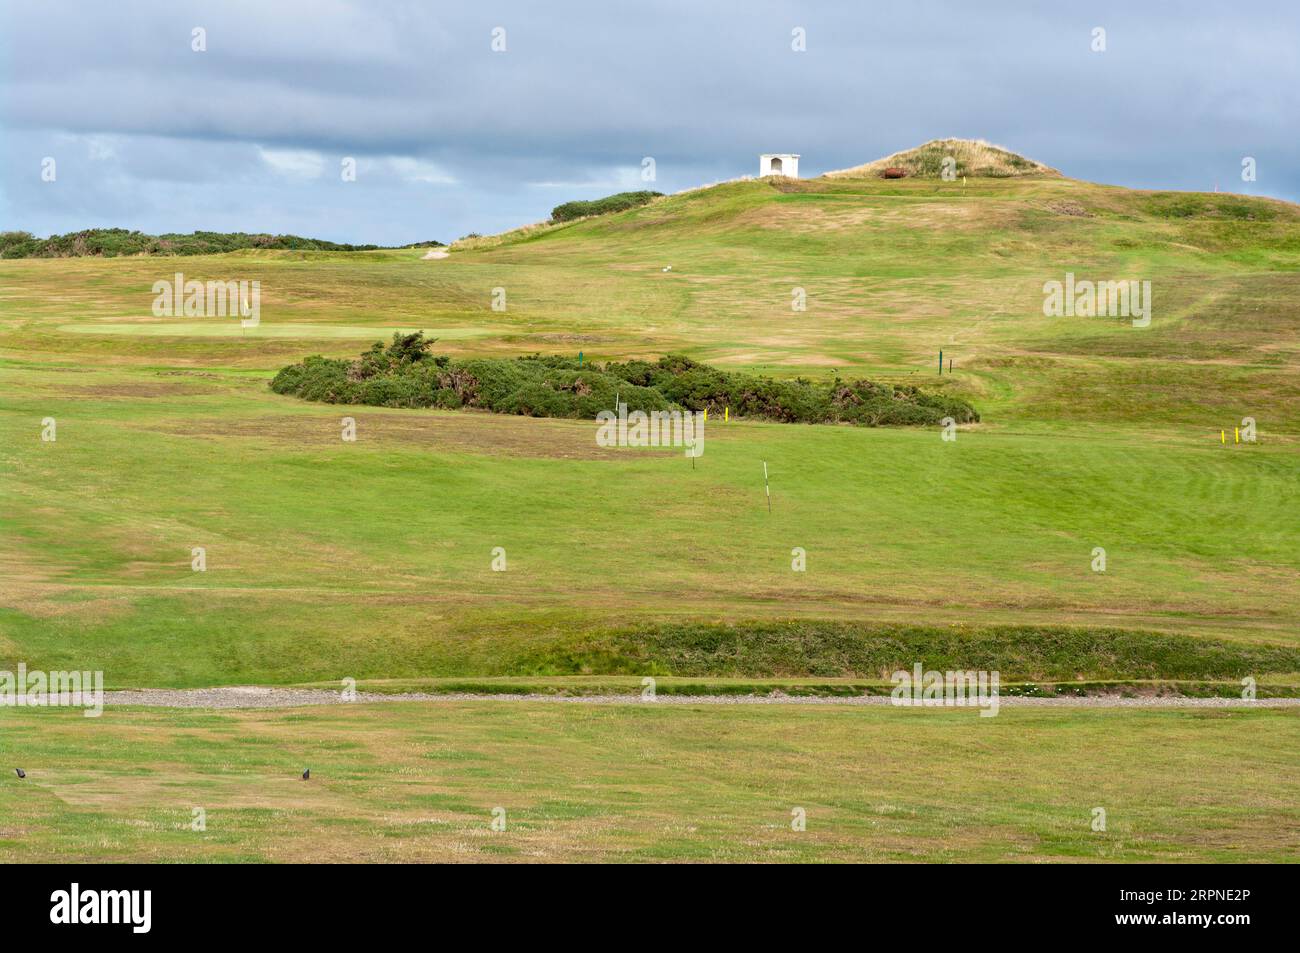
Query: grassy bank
841, 649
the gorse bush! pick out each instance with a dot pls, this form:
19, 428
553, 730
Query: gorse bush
405, 374
610, 203
15, 240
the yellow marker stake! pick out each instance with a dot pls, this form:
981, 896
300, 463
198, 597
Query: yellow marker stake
726, 414
1222, 437
706, 413
1236, 434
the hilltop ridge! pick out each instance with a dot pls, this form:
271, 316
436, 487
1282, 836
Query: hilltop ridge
971, 157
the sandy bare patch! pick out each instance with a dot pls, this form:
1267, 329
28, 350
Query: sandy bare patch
436, 253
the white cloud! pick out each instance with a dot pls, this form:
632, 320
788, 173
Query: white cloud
417, 170
101, 148
298, 163
619, 179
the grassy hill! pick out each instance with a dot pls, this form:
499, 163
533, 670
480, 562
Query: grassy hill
373, 558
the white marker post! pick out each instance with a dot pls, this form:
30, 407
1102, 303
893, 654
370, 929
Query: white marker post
767, 488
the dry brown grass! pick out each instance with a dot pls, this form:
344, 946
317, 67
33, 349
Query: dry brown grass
974, 157
515, 234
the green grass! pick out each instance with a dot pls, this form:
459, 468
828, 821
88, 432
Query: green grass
406, 782
329, 559
373, 560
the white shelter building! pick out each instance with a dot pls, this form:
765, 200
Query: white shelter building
779, 163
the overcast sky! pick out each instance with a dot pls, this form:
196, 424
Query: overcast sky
450, 136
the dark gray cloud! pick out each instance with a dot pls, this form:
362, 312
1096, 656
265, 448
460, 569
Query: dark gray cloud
451, 137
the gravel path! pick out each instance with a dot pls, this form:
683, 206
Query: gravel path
258, 697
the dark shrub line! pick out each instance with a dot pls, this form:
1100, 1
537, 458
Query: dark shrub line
113, 242
405, 374
610, 203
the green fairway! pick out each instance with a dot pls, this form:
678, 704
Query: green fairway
407, 782
373, 558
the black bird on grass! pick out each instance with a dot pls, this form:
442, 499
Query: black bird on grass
20, 772
306, 775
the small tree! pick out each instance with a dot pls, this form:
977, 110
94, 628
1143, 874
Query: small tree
408, 348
